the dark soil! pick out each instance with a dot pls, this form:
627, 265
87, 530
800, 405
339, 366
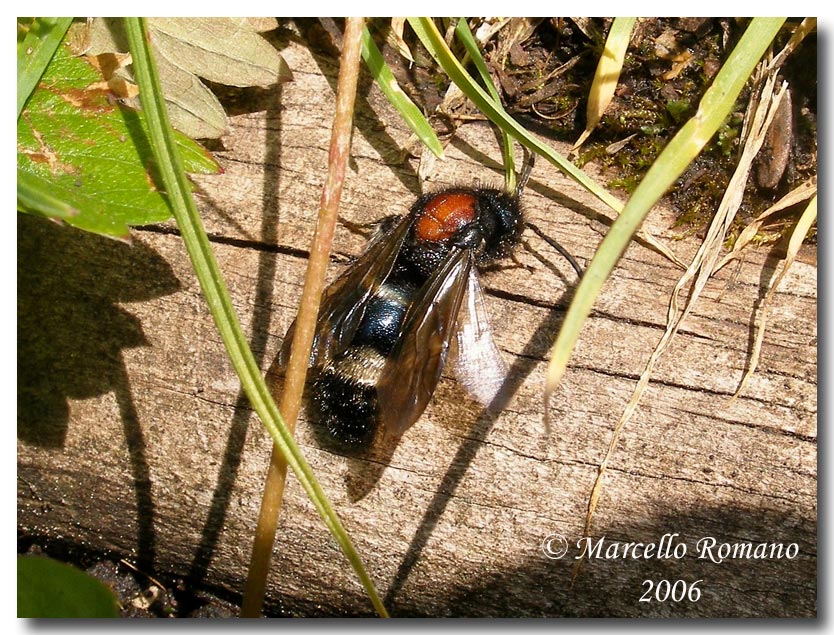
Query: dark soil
139, 593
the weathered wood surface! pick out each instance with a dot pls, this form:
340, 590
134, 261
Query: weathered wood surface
134, 437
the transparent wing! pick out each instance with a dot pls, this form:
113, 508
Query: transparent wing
414, 367
344, 301
476, 360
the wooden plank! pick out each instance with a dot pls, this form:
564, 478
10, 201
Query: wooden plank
134, 437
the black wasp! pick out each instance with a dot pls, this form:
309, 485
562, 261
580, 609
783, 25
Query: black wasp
388, 325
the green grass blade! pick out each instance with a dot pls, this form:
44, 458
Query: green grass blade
434, 43
398, 99
464, 34
34, 196
607, 74
34, 52
715, 106
217, 296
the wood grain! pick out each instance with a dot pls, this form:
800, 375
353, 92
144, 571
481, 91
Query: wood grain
134, 438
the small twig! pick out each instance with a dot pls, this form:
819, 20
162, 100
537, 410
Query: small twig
306, 320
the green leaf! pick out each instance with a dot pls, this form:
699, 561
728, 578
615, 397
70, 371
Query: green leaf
226, 51
48, 588
34, 51
77, 145
220, 50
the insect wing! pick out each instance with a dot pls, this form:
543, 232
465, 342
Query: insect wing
476, 360
414, 367
344, 301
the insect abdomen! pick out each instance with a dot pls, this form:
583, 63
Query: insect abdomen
343, 393
343, 396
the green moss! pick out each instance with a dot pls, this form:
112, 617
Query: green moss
679, 109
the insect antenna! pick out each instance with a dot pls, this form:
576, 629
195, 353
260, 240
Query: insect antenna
529, 161
558, 248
